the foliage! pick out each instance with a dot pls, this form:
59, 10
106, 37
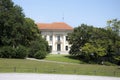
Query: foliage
95, 44
31, 31
10, 52
116, 59
37, 43
21, 52
40, 54
11, 25
114, 25
36, 46
7, 52
90, 52
78, 38
108, 64
38, 49
16, 29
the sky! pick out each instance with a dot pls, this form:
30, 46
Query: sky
72, 12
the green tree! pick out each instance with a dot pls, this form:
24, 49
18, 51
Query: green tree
16, 30
96, 44
114, 25
78, 38
113, 49
91, 52
11, 22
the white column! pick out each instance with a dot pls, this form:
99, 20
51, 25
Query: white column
53, 43
64, 41
47, 38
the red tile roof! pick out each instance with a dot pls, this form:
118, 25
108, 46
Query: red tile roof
54, 26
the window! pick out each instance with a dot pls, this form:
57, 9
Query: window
58, 38
58, 47
51, 38
66, 48
66, 38
50, 48
45, 37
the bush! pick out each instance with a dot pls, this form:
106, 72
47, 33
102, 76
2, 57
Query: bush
36, 46
40, 54
116, 59
0, 54
7, 52
21, 52
108, 64
10, 52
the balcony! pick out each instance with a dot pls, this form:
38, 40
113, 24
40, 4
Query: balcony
58, 41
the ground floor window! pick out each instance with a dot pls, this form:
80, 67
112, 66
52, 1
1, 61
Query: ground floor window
50, 48
66, 48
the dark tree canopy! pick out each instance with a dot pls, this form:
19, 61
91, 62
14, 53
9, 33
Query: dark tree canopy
11, 22
16, 30
95, 44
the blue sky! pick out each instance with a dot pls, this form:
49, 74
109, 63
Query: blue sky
75, 12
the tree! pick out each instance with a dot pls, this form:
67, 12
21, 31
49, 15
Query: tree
114, 34
16, 31
91, 52
78, 38
114, 25
94, 44
35, 40
11, 22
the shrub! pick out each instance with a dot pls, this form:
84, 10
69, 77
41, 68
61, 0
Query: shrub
35, 46
116, 59
0, 53
21, 52
108, 64
40, 54
7, 52
10, 52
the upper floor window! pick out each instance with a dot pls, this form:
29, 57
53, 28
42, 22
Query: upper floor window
45, 37
66, 38
58, 38
51, 38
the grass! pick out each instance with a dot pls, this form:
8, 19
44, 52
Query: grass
62, 58
30, 66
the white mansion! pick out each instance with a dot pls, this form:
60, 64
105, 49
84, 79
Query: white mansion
56, 35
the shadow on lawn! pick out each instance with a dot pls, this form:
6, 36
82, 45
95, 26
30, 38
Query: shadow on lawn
73, 57
81, 59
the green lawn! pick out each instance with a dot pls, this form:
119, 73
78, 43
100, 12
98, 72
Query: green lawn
62, 58
30, 66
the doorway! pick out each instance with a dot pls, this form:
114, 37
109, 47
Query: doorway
58, 47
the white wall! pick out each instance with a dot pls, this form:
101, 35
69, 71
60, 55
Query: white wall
54, 42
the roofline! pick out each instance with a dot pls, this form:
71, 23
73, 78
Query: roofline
56, 29
69, 28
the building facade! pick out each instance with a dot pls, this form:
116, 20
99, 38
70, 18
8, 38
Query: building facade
57, 36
